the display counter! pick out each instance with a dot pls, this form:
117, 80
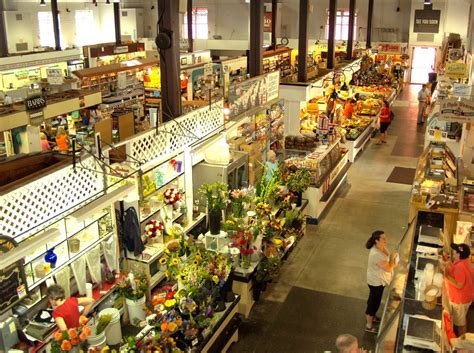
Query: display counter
435, 188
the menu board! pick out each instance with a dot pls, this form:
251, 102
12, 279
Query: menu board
12, 278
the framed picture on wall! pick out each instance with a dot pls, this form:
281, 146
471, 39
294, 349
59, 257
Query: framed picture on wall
184, 61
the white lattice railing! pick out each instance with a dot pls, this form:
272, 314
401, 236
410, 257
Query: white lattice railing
177, 134
32, 207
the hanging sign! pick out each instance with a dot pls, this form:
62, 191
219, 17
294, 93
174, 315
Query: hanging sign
12, 278
390, 48
458, 110
426, 21
35, 103
267, 22
55, 76
121, 49
456, 70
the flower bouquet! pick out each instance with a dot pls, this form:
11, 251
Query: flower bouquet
133, 285
171, 196
297, 180
74, 337
239, 199
154, 231
216, 196
171, 322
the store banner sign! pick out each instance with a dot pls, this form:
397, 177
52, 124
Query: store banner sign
256, 92
456, 70
456, 110
427, 21
37, 118
390, 48
55, 76
36, 102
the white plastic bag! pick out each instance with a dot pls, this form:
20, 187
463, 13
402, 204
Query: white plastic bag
94, 265
63, 278
79, 270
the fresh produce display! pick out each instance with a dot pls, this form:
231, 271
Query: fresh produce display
369, 106
356, 126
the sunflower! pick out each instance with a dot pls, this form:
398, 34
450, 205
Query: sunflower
163, 261
174, 261
215, 279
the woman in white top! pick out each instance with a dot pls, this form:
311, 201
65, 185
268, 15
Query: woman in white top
379, 274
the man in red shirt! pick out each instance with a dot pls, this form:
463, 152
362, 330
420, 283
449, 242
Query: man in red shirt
458, 278
66, 310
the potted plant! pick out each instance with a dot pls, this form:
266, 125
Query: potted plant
216, 196
297, 180
133, 287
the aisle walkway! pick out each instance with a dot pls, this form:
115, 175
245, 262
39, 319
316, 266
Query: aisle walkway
322, 289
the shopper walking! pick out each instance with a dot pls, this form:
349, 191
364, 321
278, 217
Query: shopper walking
458, 278
346, 343
421, 104
379, 274
385, 120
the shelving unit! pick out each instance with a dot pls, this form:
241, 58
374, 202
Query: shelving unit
95, 230
278, 59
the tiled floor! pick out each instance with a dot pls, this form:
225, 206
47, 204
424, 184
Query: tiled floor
322, 289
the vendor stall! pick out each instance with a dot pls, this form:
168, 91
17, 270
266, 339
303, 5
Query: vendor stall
110, 53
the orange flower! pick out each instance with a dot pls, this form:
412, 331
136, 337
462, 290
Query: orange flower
83, 336
87, 330
66, 345
58, 336
75, 341
83, 320
164, 326
72, 332
172, 327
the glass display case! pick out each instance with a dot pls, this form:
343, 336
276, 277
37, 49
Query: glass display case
396, 290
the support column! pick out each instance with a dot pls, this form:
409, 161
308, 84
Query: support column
3, 32
118, 35
274, 23
350, 37
370, 14
303, 42
256, 37
332, 28
189, 14
57, 36
168, 28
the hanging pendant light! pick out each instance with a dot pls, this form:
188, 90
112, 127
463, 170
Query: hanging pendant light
42, 3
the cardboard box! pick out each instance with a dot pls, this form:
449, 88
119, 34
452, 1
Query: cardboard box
251, 148
236, 142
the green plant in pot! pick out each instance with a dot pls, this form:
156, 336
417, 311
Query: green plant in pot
267, 270
297, 181
216, 195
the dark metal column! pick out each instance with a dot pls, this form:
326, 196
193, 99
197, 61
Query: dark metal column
3, 33
168, 14
303, 42
274, 23
55, 12
189, 13
256, 37
350, 37
332, 27
370, 14
118, 35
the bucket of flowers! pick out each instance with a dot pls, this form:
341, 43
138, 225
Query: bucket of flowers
71, 340
243, 240
172, 198
239, 201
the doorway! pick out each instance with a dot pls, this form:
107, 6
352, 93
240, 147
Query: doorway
423, 60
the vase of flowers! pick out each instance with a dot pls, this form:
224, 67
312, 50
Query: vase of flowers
133, 287
154, 231
297, 180
216, 196
243, 240
172, 198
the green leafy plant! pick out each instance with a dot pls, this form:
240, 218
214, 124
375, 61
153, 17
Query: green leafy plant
216, 195
104, 321
297, 179
268, 269
133, 287
266, 191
